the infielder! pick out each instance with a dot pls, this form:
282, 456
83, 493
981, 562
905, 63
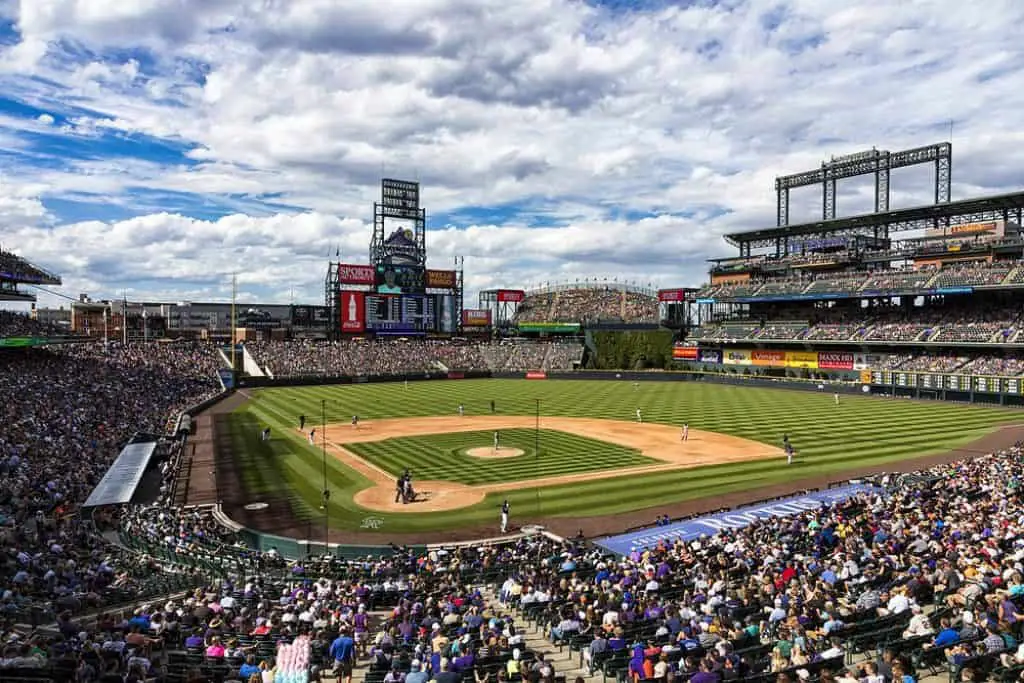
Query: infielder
686, 432
462, 410
504, 514
355, 422
639, 417
789, 454
497, 438
312, 437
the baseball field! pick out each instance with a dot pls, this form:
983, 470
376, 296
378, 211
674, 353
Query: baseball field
565, 449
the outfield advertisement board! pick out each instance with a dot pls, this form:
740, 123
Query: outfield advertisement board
768, 358
808, 360
684, 352
352, 274
511, 296
353, 312
833, 360
690, 529
736, 357
711, 355
553, 328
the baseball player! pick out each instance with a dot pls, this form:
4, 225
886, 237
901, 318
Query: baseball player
497, 439
312, 437
302, 422
639, 417
504, 515
836, 396
355, 422
686, 432
789, 454
462, 410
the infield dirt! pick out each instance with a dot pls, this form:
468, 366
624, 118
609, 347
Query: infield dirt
659, 442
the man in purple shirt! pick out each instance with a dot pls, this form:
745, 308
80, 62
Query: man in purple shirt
705, 675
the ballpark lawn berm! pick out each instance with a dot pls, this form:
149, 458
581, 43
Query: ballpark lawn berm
594, 458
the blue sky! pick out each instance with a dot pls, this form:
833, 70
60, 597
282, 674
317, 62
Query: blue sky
156, 147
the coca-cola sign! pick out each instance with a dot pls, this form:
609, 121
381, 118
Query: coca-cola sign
350, 274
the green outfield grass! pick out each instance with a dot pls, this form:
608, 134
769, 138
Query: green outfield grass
862, 431
442, 457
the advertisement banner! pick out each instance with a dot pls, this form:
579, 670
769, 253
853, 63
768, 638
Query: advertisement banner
440, 279
511, 295
351, 274
353, 312
831, 360
684, 352
672, 295
735, 357
456, 375
558, 328
768, 358
536, 375
802, 359
865, 377
476, 317
711, 355
446, 314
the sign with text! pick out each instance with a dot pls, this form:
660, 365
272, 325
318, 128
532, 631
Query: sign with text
476, 317
351, 274
353, 312
684, 352
511, 295
400, 198
831, 360
440, 279
672, 295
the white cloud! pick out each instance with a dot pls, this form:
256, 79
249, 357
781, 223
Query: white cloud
575, 111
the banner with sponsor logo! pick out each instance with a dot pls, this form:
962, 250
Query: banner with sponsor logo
832, 360
476, 317
736, 357
865, 377
351, 274
684, 352
440, 279
768, 358
711, 355
551, 328
672, 295
353, 312
511, 295
802, 359
536, 375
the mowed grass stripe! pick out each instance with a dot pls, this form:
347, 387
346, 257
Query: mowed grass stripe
442, 456
861, 432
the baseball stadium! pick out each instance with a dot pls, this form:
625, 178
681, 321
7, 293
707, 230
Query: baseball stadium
818, 446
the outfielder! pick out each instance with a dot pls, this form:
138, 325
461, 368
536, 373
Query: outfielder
462, 410
837, 397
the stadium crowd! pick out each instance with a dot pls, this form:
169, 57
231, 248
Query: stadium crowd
886, 280
595, 303
408, 357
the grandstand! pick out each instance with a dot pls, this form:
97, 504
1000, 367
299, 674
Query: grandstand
14, 271
589, 302
939, 281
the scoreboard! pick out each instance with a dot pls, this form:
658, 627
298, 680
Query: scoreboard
400, 314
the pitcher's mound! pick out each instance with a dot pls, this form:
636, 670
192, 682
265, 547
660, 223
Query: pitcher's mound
499, 452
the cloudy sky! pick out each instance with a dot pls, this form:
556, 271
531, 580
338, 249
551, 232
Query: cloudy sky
155, 146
